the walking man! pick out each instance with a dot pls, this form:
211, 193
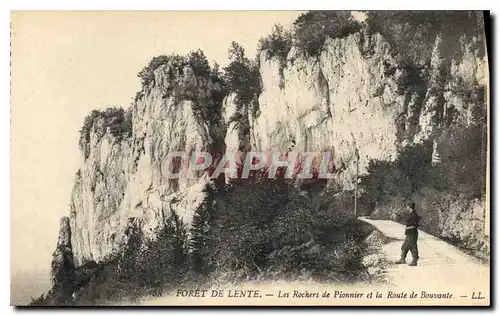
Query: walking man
411, 232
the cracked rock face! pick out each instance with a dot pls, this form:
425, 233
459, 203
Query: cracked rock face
347, 99
338, 103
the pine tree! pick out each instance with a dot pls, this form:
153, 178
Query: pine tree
164, 259
201, 234
175, 234
128, 260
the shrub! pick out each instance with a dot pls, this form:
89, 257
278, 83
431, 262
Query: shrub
278, 43
129, 256
383, 181
414, 162
201, 68
243, 224
142, 267
316, 237
411, 171
248, 229
242, 76
216, 75
314, 27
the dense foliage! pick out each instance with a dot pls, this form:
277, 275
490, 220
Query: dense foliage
247, 230
142, 267
309, 34
385, 180
413, 33
196, 59
272, 229
267, 229
242, 75
311, 29
165, 259
463, 150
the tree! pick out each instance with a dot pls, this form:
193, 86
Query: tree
242, 76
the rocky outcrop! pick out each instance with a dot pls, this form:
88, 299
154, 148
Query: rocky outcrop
348, 99
456, 219
124, 178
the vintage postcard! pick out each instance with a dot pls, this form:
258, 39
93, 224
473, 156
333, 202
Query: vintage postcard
185, 158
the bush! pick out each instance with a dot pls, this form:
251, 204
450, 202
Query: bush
410, 172
383, 181
163, 261
311, 236
278, 43
314, 27
249, 229
198, 62
242, 76
129, 257
147, 73
217, 76
244, 216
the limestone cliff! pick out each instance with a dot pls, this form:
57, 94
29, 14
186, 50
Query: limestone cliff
351, 97
122, 178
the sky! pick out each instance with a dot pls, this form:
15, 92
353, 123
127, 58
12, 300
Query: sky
64, 64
